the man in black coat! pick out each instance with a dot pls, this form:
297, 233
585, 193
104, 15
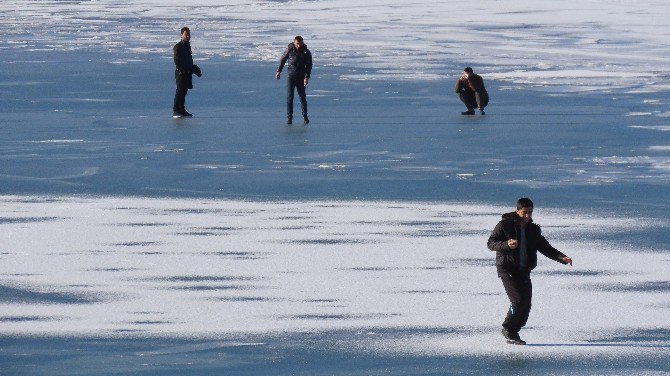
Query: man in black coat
516, 241
183, 74
470, 88
298, 60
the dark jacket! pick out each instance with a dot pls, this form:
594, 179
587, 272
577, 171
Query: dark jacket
507, 260
474, 84
183, 61
298, 62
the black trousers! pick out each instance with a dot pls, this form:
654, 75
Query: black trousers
470, 100
297, 82
183, 84
519, 290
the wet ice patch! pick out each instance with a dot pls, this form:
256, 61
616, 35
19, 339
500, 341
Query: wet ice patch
637, 287
4, 220
45, 295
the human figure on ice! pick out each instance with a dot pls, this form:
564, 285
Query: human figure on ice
298, 59
516, 240
183, 74
470, 88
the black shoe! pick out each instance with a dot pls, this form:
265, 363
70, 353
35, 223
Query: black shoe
481, 111
186, 114
176, 114
468, 112
305, 120
289, 121
519, 342
512, 338
506, 333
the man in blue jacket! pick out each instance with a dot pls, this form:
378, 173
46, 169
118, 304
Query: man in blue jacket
516, 241
298, 60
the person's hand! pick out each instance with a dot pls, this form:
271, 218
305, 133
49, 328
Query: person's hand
512, 243
306, 81
567, 260
278, 74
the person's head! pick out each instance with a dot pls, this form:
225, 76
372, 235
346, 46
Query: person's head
524, 209
297, 42
185, 34
467, 72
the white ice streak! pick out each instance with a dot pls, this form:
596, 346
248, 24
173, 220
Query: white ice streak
564, 45
194, 267
59, 141
661, 128
658, 163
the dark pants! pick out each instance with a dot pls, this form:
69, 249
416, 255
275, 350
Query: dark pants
470, 100
519, 290
183, 84
297, 82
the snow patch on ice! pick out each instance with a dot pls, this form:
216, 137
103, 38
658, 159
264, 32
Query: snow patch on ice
569, 44
198, 267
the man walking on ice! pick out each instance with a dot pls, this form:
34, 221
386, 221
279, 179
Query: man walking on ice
516, 241
298, 60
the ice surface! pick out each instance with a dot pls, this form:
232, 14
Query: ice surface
283, 285
369, 139
564, 45
197, 267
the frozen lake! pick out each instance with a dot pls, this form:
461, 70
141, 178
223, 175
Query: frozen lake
230, 243
84, 126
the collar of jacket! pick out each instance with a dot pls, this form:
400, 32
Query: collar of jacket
513, 216
302, 48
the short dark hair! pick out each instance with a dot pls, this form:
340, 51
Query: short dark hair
298, 38
184, 29
524, 202
467, 69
